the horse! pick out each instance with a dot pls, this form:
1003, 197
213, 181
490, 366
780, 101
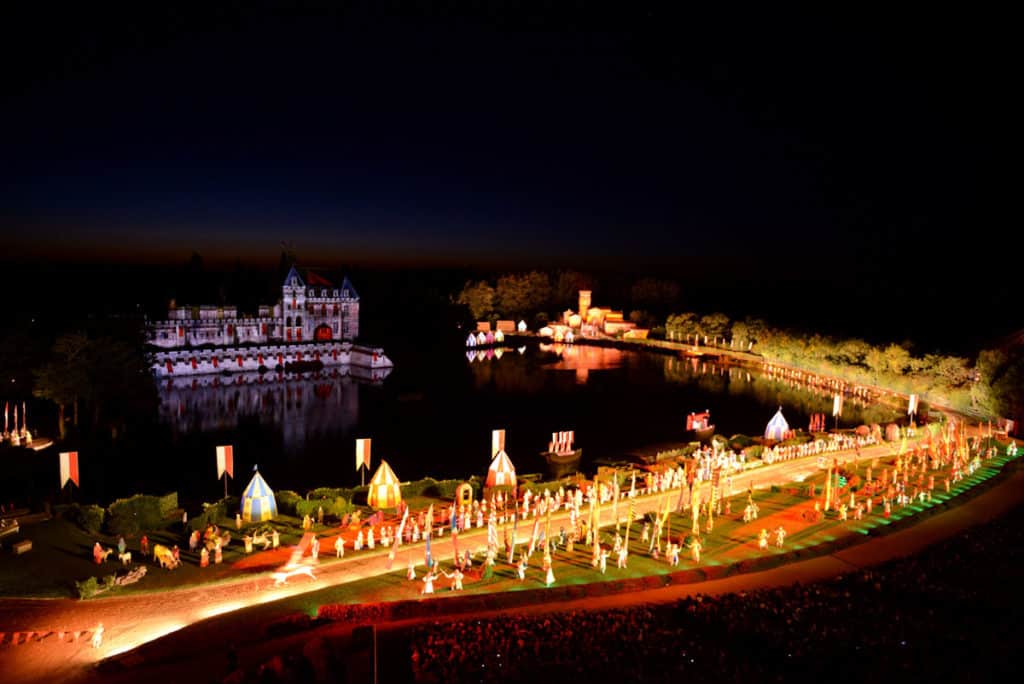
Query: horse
281, 576
125, 558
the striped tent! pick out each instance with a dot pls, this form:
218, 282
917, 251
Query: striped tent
385, 490
777, 427
501, 472
258, 502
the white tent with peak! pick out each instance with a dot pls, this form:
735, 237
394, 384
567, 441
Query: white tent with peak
777, 428
501, 472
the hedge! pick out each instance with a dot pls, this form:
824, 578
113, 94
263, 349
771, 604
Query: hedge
89, 518
140, 512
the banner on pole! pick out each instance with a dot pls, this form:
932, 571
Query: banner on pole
912, 405
497, 442
225, 461
362, 453
69, 468
837, 405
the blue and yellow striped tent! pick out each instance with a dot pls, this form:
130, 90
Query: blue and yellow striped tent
258, 502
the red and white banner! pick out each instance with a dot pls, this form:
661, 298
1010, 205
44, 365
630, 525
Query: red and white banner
497, 442
69, 468
363, 453
912, 405
225, 461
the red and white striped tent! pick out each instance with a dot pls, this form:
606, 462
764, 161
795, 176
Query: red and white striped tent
385, 490
501, 472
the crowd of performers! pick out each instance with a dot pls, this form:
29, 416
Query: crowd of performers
520, 532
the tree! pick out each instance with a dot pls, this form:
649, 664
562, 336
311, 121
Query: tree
479, 297
714, 325
567, 289
897, 359
63, 379
678, 326
522, 295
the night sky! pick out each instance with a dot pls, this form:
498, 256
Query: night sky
750, 144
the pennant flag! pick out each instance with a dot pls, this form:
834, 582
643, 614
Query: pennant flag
912, 405
69, 468
225, 461
497, 442
362, 453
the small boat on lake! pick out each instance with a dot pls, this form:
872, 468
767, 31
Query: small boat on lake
700, 424
560, 449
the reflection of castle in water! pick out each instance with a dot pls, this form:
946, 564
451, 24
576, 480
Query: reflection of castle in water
301, 405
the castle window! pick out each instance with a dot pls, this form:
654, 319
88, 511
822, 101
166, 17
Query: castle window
323, 293
288, 322
298, 321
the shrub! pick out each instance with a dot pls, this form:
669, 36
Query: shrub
287, 500
86, 588
129, 516
212, 514
89, 518
94, 585
168, 504
337, 507
741, 442
754, 451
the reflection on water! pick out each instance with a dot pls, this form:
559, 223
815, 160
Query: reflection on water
434, 415
583, 359
299, 405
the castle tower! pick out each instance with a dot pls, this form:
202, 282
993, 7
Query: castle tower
584, 304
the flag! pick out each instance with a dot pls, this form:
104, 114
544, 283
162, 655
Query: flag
225, 461
497, 442
430, 563
533, 535
837, 405
912, 405
69, 468
363, 453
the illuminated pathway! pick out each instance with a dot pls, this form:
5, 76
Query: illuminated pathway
134, 620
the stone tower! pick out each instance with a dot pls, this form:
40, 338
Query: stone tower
584, 304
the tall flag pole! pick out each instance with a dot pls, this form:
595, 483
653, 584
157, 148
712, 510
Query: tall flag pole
430, 528
363, 458
225, 465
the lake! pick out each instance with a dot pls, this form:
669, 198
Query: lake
434, 417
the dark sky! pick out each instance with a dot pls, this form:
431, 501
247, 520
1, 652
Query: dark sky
571, 136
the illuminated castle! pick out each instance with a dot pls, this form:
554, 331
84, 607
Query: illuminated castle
311, 309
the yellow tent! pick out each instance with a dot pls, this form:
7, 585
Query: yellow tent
385, 491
